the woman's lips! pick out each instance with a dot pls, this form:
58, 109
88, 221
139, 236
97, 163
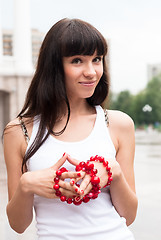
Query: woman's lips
88, 84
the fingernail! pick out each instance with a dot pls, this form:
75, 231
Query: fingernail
72, 182
77, 199
79, 174
82, 191
76, 190
64, 154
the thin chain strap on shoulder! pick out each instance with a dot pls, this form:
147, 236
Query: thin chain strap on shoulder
106, 117
24, 130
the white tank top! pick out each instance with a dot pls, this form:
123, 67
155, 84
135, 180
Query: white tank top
95, 220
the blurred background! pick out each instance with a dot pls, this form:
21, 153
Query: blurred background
133, 33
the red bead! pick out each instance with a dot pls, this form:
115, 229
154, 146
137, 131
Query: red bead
69, 200
90, 195
58, 172
105, 164
108, 168
96, 188
86, 199
109, 174
110, 179
77, 203
101, 159
63, 198
95, 180
63, 169
89, 166
94, 171
95, 195
56, 186
92, 158
81, 164
58, 193
78, 168
56, 179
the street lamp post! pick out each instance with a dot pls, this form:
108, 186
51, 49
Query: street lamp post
147, 109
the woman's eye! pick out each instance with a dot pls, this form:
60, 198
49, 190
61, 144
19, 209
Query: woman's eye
76, 60
97, 59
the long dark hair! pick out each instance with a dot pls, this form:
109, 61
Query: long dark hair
46, 95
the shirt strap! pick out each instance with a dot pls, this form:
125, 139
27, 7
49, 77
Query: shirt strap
106, 117
24, 129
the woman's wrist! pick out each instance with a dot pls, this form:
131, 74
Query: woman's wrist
26, 184
116, 171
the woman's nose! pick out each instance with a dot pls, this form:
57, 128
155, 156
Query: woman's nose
89, 70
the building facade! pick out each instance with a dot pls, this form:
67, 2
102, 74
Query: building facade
16, 67
8, 38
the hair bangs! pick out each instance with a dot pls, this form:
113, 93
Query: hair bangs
80, 38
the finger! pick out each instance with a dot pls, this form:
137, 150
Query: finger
76, 175
60, 162
68, 193
88, 189
66, 185
84, 184
76, 180
73, 161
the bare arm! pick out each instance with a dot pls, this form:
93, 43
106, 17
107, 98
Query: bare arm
21, 188
19, 208
122, 188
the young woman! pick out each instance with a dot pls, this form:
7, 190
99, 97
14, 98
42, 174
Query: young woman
64, 124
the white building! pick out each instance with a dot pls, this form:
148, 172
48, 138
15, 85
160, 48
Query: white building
16, 67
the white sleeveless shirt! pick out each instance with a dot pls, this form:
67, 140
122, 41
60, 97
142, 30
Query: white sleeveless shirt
95, 220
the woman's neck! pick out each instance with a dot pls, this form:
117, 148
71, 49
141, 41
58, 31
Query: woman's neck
80, 107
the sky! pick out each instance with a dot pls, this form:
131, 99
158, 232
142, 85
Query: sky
132, 27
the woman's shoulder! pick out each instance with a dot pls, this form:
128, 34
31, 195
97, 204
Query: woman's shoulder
14, 128
15, 124
119, 119
14, 136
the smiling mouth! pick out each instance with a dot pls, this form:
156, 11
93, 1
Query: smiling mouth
88, 83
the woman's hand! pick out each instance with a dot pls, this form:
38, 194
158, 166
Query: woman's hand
41, 182
86, 186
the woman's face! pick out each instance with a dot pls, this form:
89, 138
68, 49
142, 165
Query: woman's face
82, 74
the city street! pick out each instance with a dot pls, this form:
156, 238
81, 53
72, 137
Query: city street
148, 186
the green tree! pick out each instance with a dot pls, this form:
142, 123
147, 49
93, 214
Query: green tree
153, 97
134, 105
123, 102
138, 104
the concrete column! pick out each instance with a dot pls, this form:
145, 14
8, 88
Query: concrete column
22, 46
